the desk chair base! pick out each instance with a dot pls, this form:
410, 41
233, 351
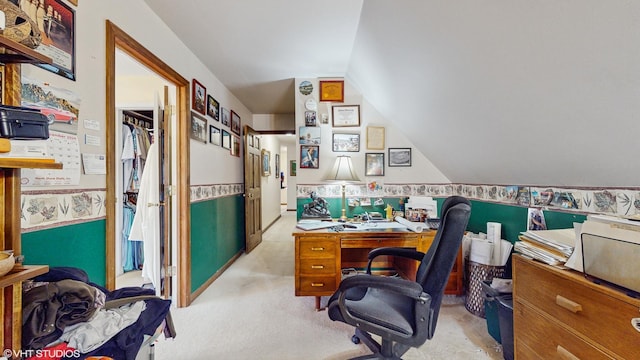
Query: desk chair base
385, 351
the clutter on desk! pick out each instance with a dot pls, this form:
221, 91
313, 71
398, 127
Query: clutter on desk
419, 208
553, 247
608, 249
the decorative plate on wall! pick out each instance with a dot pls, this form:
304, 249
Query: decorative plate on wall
306, 87
311, 104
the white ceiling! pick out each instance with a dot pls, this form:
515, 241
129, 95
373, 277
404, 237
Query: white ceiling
491, 91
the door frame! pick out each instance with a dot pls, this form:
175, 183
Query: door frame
117, 38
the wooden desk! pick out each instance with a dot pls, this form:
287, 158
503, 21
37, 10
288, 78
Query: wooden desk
320, 256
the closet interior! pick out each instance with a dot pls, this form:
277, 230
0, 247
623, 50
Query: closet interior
137, 137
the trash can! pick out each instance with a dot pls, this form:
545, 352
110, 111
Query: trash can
476, 274
491, 309
505, 318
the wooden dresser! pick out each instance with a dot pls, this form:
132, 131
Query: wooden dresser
320, 256
558, 314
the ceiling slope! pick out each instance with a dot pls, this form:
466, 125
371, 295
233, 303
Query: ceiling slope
492, 92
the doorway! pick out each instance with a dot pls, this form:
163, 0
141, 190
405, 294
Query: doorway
176, 262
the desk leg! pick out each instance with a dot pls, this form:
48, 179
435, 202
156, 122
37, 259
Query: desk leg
318, 308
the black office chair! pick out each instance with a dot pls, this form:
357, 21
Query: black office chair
403, 312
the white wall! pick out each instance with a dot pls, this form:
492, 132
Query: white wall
270, 184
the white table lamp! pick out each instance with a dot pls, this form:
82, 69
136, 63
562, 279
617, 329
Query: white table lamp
343, 172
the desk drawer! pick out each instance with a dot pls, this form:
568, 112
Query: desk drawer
318, 266
317, 285
549, 339
596, 315
372, 243
317, 248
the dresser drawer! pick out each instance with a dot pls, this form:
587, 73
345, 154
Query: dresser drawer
549, 339
317, 285
594, 314
372, 243
318, 266
317, 248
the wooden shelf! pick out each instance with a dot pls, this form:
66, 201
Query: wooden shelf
29, 163
20, 53
21, 273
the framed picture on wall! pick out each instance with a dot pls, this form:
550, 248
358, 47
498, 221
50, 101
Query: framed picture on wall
346, 115
225, 116
399, 156
332, 90
213, 108
235, 145
214, 135
226, 139
59, 38
235, 122
346, 142
292, 168
374, 164
277, 166
309, 157
375, 137
266, 162
198, 96
198, 128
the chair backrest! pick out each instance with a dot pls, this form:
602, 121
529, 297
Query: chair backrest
435, 268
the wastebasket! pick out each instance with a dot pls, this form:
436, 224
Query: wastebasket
491, 308
476, 274
505, 318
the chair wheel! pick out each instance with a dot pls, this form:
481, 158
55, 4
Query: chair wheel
355, 339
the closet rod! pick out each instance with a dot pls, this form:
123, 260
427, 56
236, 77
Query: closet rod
137, 115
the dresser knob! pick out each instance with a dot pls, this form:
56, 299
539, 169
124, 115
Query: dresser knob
572, 306
317, 284
565, 354
317, 249
317, 266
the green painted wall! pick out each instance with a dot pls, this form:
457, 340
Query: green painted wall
80, 245
513, 218
217, 234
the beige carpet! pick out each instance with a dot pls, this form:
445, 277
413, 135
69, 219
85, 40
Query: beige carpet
250, 312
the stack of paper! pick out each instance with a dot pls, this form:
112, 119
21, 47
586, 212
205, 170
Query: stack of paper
553, 247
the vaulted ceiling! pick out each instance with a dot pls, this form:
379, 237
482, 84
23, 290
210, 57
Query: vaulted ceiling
491, 91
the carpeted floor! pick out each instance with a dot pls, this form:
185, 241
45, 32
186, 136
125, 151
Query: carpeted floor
250, 312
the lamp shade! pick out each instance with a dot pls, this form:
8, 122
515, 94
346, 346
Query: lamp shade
342, 170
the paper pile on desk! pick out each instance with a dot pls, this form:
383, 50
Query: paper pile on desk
553, 247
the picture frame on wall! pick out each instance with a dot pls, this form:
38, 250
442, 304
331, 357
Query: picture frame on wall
375, 137
292, 167
309, 135
374, 164
310, 118
198, 96
346, 142
346, 115
214, 135
332, 90
213, 108
235, 122
226, 116
226, 139
277, 165
266, 162
399, 157
198, 128
59, 39
309, 157
235, 145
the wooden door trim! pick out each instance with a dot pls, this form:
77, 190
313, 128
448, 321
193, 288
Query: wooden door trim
116, 38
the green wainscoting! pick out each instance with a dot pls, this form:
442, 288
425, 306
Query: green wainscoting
79, 245
513, 218
217, 234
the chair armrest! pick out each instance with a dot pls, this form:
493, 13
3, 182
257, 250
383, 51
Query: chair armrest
394, 251
400, 286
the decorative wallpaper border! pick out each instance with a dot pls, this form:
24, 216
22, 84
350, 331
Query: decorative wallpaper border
44, 209
213, 191
611, 201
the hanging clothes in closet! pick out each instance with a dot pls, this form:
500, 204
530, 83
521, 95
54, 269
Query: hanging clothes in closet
136, 141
